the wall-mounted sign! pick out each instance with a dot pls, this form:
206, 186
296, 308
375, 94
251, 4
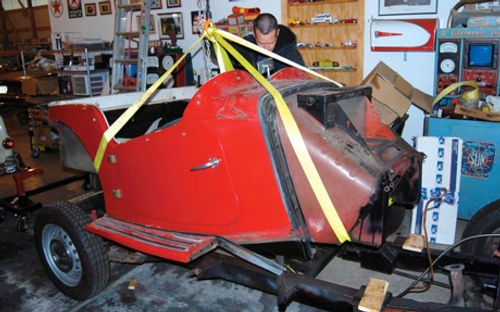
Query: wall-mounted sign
56, 8
90, 9
105, 7
478, 159
75, 8
403, 34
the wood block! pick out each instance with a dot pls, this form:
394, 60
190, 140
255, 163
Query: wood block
414, 242
374, 295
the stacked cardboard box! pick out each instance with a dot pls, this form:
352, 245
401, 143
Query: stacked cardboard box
392, 95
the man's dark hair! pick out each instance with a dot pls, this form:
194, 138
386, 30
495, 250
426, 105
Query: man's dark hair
265, 23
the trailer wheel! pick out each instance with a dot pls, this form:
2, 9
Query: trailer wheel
75, 260
485, 221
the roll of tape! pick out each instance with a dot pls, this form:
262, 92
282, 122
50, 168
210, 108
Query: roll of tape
467, 98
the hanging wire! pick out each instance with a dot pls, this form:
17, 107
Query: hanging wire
421, 276
204, 7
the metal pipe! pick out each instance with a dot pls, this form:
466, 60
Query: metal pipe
49, 186
457, 284
24, 65
88, 70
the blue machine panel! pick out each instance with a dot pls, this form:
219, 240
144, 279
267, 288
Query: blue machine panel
467, 54
480, 174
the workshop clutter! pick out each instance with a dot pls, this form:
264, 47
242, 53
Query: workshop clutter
236, 25
320, 18
392, 95
40, 85
467, 70
249, 14
344, 44
240, 23
327, 63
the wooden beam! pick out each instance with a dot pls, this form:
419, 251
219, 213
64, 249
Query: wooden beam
29, 29
4, 39
32, 19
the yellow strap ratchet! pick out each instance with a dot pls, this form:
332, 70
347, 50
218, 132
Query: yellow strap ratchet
125, 117
292, 131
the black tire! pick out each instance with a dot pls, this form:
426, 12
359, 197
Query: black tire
75, 260
485, 221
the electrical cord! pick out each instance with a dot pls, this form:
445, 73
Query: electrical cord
414, 277
427, 246
407, 290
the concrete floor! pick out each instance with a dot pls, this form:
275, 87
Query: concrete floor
164, 286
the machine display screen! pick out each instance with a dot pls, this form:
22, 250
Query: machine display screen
481, 55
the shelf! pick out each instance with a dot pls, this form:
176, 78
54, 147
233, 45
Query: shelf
321, 25
336, 70
327, 48
320, 2
334, 33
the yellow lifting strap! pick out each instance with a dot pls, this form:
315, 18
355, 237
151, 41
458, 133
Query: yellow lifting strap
470, 95
292, 131
289, 123
222, 58
125, 117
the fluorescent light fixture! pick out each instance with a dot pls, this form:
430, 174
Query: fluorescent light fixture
3, 89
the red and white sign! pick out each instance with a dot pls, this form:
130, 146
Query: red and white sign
403, 34
56, 8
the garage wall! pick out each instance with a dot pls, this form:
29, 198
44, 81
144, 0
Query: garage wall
101, 26
416, 67
19, 29
91, 27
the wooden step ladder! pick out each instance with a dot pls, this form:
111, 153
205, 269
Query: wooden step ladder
124, 54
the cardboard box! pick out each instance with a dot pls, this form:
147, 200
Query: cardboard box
392, 94
40, 86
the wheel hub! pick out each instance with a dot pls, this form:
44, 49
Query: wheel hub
61, 255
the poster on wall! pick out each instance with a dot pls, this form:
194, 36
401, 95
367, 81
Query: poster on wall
155, 4
171, 25
197, 20
403, 7
173, 3
90, 9
105, 8
56, 8
75, 8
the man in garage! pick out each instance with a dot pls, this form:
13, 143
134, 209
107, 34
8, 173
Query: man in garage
268, 34
272, 37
